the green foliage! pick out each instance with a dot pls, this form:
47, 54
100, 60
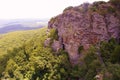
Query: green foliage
78, 71
100, 8
32, 61
91, 56
107, 48
80, 49
109, 53
114, 71
115, 57
12, 40
98, 3
94, 8
88, 70
111, 10
3, 61
115, 2
93, 64
53, 19
68, 8
53, 34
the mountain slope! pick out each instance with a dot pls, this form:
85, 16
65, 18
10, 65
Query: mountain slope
28, 59
16, 39
16, 27
81, 44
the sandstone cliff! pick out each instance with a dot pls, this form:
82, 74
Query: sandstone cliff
86, 25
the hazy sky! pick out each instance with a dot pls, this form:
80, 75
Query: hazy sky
19, 9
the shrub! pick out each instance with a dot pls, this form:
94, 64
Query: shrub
115, 2
111, 10
115, 57
52, 19
93, 8
114, 69
80, 49
107, 48
98, 3
68, 8
90, 75
78, 71
53, 34
90, 56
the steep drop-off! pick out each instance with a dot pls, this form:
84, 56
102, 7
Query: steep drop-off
86, 25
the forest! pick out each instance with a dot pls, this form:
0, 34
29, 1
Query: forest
29, 59
24, 56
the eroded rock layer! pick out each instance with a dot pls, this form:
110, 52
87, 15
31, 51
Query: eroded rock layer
85, 25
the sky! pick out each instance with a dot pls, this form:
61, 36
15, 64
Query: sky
32, 9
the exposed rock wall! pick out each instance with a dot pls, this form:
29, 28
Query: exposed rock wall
78, 27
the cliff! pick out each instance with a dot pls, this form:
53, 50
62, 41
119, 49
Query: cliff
86, 25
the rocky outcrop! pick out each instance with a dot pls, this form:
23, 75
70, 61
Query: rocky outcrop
47, 42
85, 26
56, 46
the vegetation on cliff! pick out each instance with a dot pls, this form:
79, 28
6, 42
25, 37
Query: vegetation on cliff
24, 55
33, 61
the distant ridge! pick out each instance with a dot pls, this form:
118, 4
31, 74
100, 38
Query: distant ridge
16, 27
22, 24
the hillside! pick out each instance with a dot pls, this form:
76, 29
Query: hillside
17, 27
29, 58
24, 57
21, 24
82, 43
16, 39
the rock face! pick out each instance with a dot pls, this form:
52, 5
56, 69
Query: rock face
47, 42
56, 46
81, 26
